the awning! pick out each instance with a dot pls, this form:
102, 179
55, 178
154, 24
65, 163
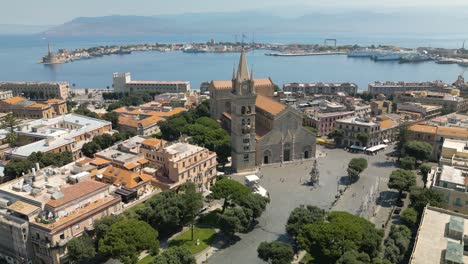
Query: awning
386, 141
252, 178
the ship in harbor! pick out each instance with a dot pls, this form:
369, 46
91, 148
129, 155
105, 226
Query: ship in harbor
415, 58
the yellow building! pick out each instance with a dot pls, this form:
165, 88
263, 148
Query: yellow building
23, 108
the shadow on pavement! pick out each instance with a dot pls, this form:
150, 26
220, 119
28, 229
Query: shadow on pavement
387, 199
384, 164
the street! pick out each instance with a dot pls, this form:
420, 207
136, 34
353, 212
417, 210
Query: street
288, 189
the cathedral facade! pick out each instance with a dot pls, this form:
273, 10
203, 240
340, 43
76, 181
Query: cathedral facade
263, 130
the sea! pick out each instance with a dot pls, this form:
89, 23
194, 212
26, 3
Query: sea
19, 56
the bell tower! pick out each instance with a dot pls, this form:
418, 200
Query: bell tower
243, 118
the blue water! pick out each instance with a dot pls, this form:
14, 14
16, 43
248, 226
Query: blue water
19, 56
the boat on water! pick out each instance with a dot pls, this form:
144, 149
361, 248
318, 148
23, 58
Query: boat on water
366, 53
463, 63
123, 52
387, 57
284, 54
415, 58
447, 61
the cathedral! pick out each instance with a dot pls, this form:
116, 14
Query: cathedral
263, 130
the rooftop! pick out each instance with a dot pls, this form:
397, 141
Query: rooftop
125, 178
76, 191
452, 175
153, 142
423, 128
182, 150
458, 145
357, 121
432, 241
269, 105
14, 100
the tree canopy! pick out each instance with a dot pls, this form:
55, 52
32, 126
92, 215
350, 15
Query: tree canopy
126, 238
425, 169
397, 243
401, 180
81, 249
230, 191
275, 252
328, 240
409, 217
418, 149
175, 255
302, 216
421, 197
234, 220
255, 203
408, 163
363, 138
355, 167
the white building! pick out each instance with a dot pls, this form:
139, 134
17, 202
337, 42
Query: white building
6, 94
122, 83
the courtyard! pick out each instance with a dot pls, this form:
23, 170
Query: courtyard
288, 188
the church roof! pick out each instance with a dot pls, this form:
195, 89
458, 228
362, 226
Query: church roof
268, 105
228, 84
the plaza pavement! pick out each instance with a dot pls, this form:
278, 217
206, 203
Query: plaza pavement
288, 189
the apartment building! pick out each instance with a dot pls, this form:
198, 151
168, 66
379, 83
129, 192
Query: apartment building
320, 88
379, 132
391, 88
24, 108
449, 102
418, 110
442, 237
381, 106
131, 185
6, 94
325, 122
143, 120
455, 153
452, 184
37, 90
122, 83
63, 133
51, 206
184, 162
125, 155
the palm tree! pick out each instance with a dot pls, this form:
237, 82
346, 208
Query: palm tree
10, 123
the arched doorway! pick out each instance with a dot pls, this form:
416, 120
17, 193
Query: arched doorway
287, 152
307, 152
267, 157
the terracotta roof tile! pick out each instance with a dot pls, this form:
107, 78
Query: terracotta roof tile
269, 105
76, 191
228, 84
453, 131
99, 161
153, 142
14, 100
423, 128
55, 100
387, 124
38, 105
126, 178
146, 122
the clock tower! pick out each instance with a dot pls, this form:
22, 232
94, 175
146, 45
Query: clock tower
243, 118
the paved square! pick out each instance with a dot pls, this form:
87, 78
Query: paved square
288, 190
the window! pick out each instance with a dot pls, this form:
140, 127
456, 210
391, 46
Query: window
62, 236
246, 157
458, 202
246, 148
77, 226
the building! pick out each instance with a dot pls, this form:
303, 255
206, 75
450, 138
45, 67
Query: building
15, 242
325, 122
381, 106
63, 133
441, 238
391, 88
379, 132
455, 153
143, 120
452, 184
125, 155
24, 108
320, 88
5, 94
152, 149
51, 208
359, 106
419, 110
435, 135
183, 162
260, 127
204, 88
122, 83
131, 185
449, 102
38, 90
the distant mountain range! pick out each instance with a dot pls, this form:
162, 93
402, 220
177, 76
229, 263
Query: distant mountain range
411, 21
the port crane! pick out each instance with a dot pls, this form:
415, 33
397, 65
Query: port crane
327, 40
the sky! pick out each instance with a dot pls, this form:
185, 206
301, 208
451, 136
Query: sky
54, 12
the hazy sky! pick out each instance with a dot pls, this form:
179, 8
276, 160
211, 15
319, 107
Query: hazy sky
49, 12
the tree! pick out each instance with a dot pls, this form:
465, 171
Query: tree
81, 249
363, 138
112, 117
337, 135
408, 163
16, 167
192, 203
401, 180
425, 169
397, 243
354, 257
102, 225
10, 123
165, 212
255, 203
175, 255
230, 191
234, 220
328, 240
409, 217
421, 197
302, 216
275, 252
125, 239
418, 149
355, 167
403, 138
312, 129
